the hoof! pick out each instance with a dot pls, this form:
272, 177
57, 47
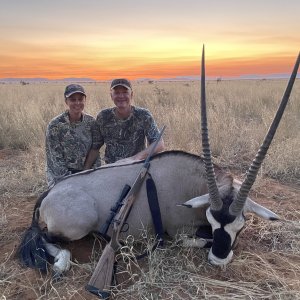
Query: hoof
194, 242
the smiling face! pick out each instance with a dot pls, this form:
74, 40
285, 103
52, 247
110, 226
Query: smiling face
76, 104
121, 96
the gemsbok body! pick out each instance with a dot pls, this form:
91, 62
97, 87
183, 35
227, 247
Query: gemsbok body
192, 192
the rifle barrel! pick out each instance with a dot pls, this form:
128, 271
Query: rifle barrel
154, 146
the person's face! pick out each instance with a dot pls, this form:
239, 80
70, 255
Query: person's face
121, 97
76, 103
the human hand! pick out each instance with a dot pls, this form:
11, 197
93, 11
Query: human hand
127, 160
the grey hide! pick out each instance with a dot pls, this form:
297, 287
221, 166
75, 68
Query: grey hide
80, 203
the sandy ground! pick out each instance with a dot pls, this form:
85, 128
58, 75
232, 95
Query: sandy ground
17, 282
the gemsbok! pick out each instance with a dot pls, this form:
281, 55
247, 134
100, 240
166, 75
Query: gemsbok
80, 203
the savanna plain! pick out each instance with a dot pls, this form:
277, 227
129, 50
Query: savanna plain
266, 262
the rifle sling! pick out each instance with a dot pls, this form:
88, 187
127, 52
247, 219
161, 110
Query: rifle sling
155, 213
156, 216
155, 209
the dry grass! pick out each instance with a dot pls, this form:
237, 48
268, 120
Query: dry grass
266, 263
183, 273
240, 113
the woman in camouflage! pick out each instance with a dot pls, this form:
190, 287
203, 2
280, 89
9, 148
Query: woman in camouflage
69, 137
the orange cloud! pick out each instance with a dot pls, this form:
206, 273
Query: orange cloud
164, 60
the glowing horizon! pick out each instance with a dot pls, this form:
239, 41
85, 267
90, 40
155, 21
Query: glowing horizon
142, 40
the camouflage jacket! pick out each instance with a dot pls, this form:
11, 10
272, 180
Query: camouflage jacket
67, 145
124, 138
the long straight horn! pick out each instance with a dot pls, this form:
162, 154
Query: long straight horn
237, 206
215, 200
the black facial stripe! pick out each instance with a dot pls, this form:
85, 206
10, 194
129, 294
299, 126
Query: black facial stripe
222, 216
221, 244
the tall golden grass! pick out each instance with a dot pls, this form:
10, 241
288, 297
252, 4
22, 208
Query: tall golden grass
266, 263
239, 114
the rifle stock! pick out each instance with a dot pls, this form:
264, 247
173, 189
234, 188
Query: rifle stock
100, 281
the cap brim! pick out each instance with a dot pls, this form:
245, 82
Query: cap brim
74, 92
121, 84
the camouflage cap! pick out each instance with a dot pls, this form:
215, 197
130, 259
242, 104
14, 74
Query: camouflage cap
121, 81
72, 89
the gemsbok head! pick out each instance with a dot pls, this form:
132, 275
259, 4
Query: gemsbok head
230, 202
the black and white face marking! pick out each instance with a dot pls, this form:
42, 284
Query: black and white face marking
225, 227
225, 230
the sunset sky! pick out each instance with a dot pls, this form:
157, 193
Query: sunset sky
147, 39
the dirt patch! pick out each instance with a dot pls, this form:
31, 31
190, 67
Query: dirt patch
266, 260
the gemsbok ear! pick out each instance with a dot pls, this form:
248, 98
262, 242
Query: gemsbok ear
260, 211
197, 201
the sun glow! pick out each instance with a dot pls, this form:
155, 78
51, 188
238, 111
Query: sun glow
143, 41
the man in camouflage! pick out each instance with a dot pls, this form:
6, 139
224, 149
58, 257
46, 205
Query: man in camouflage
123, 129
68, 137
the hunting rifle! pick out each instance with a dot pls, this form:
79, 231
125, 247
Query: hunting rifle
101, 279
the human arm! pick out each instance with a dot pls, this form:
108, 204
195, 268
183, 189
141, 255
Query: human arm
91, 158
97, 142
151, 133
56, 167
144, 153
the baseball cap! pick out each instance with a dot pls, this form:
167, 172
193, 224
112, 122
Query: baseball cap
72, 89
120, 81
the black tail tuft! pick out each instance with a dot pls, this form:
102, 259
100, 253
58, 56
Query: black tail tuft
32, 251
